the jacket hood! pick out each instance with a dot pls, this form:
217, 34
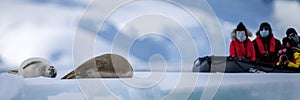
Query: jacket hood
265, 25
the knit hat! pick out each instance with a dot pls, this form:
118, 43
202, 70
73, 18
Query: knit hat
290, 31
241, 27
265, 25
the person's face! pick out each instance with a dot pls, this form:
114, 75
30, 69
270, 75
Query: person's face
292, 35
240, 32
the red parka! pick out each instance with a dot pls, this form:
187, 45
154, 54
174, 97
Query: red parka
242, 49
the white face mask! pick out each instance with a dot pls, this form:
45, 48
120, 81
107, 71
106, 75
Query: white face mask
240, 36
264, 33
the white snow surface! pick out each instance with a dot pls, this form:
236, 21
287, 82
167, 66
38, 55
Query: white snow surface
153, 86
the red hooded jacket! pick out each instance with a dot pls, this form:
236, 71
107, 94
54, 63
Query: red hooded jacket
242, 49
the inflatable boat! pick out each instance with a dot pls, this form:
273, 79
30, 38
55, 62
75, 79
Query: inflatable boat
238, 65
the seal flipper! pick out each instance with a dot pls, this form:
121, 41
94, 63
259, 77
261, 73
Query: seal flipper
13, 72
71, 75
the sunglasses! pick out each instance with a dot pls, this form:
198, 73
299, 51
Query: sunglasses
264, 28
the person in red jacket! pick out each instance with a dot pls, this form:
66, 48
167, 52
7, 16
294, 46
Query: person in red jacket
265, 45
241, 46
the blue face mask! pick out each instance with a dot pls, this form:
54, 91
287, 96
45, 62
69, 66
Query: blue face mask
264, 33
241, 36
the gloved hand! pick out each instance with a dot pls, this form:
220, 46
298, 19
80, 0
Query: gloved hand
283, 61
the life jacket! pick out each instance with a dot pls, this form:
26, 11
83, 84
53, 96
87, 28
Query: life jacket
295, 63
240, 51
261, 47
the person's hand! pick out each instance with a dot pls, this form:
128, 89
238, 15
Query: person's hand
285, 63
280, 58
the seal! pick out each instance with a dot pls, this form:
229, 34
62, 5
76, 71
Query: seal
35, 67
103, 66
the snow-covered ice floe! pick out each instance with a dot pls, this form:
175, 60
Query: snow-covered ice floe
156, 85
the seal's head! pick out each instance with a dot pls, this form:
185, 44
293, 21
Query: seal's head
50, 71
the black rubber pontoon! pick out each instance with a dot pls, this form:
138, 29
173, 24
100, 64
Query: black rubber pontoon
235, 65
